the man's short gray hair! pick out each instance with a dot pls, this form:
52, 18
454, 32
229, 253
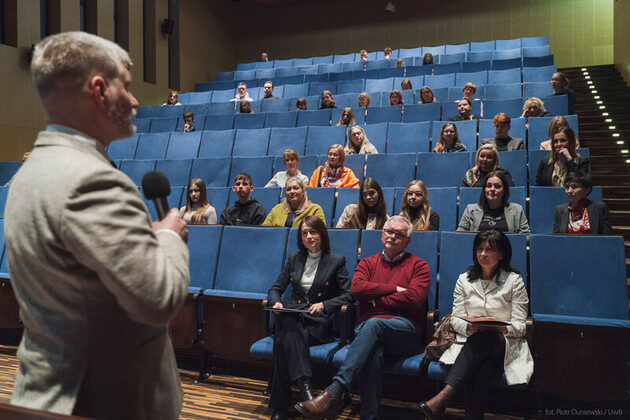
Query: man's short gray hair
70, 57
403, 219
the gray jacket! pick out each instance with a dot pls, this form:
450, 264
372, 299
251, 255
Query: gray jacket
514, 143
514, 216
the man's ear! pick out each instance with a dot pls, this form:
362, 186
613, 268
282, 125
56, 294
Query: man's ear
96, 87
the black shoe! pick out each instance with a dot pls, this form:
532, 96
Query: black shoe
306, 391
426, 411
280, 414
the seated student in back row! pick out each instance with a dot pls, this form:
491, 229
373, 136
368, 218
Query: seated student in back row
581, 216
246, 211
294, 208
464, 106
268, 86
189, 122
334, 173
502, 141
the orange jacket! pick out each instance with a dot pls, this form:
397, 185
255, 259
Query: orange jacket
348, 179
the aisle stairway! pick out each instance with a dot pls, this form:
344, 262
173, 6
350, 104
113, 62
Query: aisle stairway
610, 154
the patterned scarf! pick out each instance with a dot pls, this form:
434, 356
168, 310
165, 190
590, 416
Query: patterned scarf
578, 219
331, 175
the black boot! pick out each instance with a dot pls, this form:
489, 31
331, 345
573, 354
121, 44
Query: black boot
282, 414
306, 392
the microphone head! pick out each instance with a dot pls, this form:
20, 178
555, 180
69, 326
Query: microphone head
155, 185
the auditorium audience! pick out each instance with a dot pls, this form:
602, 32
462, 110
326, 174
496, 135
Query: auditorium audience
581, 216
486, 160
464, 106
334, 173
427, 59
502, 141
197, 210
387, 52
294, 208
469, 91
291, 160
189, 122
363, 55
490, 288
563, 159
246, 211
321, 284
494, 211
268, 87
369, 213
406, 85
363, 99
396, 98
264, 57
358, 142
245, 107
560, 85
241, 93
556, 124
416, 208
300, 104
426, 95
534, 107
347, 117
327, 100
173, 98
449, 140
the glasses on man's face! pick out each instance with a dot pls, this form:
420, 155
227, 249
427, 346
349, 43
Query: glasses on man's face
395, 234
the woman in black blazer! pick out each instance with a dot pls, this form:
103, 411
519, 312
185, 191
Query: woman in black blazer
581, 216
321, 284
562, 160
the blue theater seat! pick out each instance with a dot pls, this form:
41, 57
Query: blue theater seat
203, 244
148, 111
176, 170
319, 139
320, 117
457, 49
265, 74
249, 121
312, 102
415, 113
540, 51
344, 58
173, 200
221, 108
477, 77
330, 68
299, 62
199, 98
216, 85
183, 145
379, 85
457, 57
222, 95
447, 68
325, 197
219, 122
475, 66
512, 107
287, 138
466, 130
537, 89
543, 203
119, 149
259, 168
437, 50
442, 169
377, 134
244, 75
225, 75
318, 87
184, 98
197, 109
502, 77
479, 56
410, 52
408, 137
534, 41
4, 191
287, 71
178, 111
515, 162
135, 169
505, 91
218, 198
416, 82
384, 114
142, 124
251, 142
307, 164
215, 171
482, 46
351, 86
440, 80
511, 63
346, 196
543, 61
342, 76
507, 53
355, 66
245, 66
216, 143
152, 146
413, 71
377, 65
281, 119
386, 73
296, 91
470, 195
391, 170
557, 105
344, 100
538, 74
328, 59
275, 105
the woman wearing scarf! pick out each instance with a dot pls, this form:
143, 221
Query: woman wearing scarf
581, 216
333, 173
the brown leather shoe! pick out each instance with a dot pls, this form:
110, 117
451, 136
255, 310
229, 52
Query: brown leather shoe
324, 406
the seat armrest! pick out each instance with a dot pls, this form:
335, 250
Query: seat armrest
348, 321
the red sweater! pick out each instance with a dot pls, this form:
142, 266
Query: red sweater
374, 286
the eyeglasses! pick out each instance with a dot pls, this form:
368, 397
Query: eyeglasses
395, 234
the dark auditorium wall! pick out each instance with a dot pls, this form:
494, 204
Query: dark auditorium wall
622, 38
580, 31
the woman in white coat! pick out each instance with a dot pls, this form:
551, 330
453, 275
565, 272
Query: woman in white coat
490, 288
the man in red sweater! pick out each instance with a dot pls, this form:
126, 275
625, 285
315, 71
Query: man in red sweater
392, 289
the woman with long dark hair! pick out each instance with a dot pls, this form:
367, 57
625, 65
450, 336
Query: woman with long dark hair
197, 210
370, 212
562, 160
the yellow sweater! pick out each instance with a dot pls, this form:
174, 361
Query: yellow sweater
277, 216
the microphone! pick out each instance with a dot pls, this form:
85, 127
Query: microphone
156, 187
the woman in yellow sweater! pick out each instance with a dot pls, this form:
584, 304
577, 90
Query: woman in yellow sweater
294, 207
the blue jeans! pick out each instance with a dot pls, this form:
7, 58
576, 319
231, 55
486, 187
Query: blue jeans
376, 339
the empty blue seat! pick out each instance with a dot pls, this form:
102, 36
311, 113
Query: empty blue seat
534, 41
251, 142
287, 138
220, 108
135, 169
323, 60
409, 137
538, 74
344, 100
330, 68
477, 78
265, 74
501, 77
466, 131
537, 89
148, 111
444, 202
288, 80
482, 46
152, 145
351, 86
504, 91
246, 66
383, 114
512, 107
343, 75
183, 145
449, 109
543, 203
217, 197
346, 196
410, 52
479, 56
203, 244
199, 98
455, 49
320, 117
437, 50
219, 122
259, 168
251, 121
217, 85
421, 112
225, 75
412, 71
376, 65
539, 51
296, 91
197, 109
442, 169
377, 134
556, 104
385, 73
546, 60
475, 66
163, 125
119, 149
319, 139
176, 170
379, 85
312, 102
281, 119
325, 197
447, 68
318, 87
539, 130
309, 71
286, 71
275, 105
506, 54
222, 95
307, 164
215, 171
439, 81
391, 170
453, 57
216, 144
283, 63
244, 75
298, 62
511, 63
184, 98
355, 66
344, 58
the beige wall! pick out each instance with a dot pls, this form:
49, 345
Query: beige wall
622, 38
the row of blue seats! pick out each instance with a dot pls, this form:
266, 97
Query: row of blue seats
315, 140
531, 46
379, 84
449, 64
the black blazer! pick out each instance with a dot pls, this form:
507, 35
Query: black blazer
545, 171
598, 218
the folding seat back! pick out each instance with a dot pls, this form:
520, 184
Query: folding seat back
412, 71
537, 89
517, 129
440, 81
449, 109
219, 122
203, 245
408, 137
376, 65
255, 93
288, 80
119, 149
391, 170
470, 195
148, 111
176, 170
444, 202
256, 276
152, 145
325, 198
215, 172
344, 75
287, 138
184, 98
225, 75
283, 63
546, 60
355, 66
328, 59
203, 87
183, 145
501, 77
379, 85
557, 105
300, 62
482, 46
477, 56
505, 91
478, 78
286, 71
506, 54
216, 143
466, 131
217, 85
344, 100
306, 165
385, 73
442, 169
244, 75
246, 66
453, 58
377, 134
4, 191
163, 125
416, 82
249, 121
266, 197
351, 86
217, 197
251, 142
296, 91
543, 203
320, 117
259, 168
437, 50
200, 98
312, 102
330, 68
410, 52
344, 58
539, 51
384, 114
457, 49
281, 119
535, 41
220, 108
512, 107
275, 105
198, 109
309, 78
135, 169
222, 95
511, 63
475, 66
345, 196
317, 88
408, 96
447, 68
538, 74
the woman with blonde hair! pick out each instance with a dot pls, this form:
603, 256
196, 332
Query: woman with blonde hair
291, 160
294, 208
555, 125
370, 212
486, 161
347, 117
363, 99
334, 173
534, 107
173, 98
563, 159
358, 142
415, 207
449, 140
396, 98
426, 95
197, 210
